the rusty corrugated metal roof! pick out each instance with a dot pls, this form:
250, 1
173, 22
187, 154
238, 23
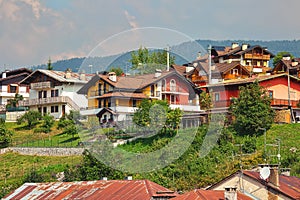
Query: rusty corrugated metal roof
199, 194
90, 190
288, 185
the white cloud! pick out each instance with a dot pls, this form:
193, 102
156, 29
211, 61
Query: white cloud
131, 19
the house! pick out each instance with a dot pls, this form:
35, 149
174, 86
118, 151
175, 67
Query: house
54, 92
90, 190
288, 65
255, 58
114, 98
10, 87
282, 98
251, 182
230, 193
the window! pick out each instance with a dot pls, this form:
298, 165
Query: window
40, 94
172, 85
99, 103
54, 93
164, 85
271, 93
217, 96
235, 71
173, 99
134, 103
152, 91
13, 89
54, 109
45, 94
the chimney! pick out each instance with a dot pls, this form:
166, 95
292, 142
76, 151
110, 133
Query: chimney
285, 171
294, 63
104, 178
244, 47
129, 178
286, 57
82, 77
234, 45
199, 55
112, 76
274, 175
157, 73
230, 193
68, 73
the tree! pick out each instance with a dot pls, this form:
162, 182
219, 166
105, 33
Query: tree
205, 101
48, 122
157, 114
146, 62
49, 65
5, 135
13, 103
279, 56
117, 70
252, 110
31, 117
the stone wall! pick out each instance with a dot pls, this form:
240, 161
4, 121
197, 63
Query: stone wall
44, 151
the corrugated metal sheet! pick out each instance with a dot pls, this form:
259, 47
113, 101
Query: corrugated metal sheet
288, 185
208, 194
90, 190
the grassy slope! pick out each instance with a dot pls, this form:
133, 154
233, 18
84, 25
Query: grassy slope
190, 171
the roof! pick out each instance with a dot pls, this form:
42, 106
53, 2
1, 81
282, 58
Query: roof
226, 51
90, 190
125, 95
61, 76
179, 69
225, 67
288, 185
199, 194
16, 78
16, 72
131, 82
248, 80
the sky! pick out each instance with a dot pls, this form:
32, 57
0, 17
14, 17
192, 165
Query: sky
32, 31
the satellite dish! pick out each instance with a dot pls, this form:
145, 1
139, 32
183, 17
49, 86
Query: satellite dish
265, 173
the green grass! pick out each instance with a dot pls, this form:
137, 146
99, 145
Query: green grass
13, 168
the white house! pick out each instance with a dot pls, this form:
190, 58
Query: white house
55, 92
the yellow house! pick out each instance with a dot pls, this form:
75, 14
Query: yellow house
114, 98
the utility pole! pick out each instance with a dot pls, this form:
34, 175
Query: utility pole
168, 58
209, 63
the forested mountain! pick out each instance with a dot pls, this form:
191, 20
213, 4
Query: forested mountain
184, 53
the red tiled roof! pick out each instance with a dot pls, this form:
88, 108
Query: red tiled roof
180, 69
208, 195
90, 190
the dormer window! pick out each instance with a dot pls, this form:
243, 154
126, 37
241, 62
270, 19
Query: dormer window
235, 71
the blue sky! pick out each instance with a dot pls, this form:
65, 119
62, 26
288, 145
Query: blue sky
31, 31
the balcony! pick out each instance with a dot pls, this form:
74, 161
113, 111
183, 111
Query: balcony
41, 85
257, 56
274, 103
173, 90
98, 93
49, 100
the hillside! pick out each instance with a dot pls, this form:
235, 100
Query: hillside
188, 172
189, 49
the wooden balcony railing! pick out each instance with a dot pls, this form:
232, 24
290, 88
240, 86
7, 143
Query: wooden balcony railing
257, 56
49, 100
274, 103
41, 85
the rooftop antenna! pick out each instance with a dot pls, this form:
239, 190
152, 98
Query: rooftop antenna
265, 173
209, 63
